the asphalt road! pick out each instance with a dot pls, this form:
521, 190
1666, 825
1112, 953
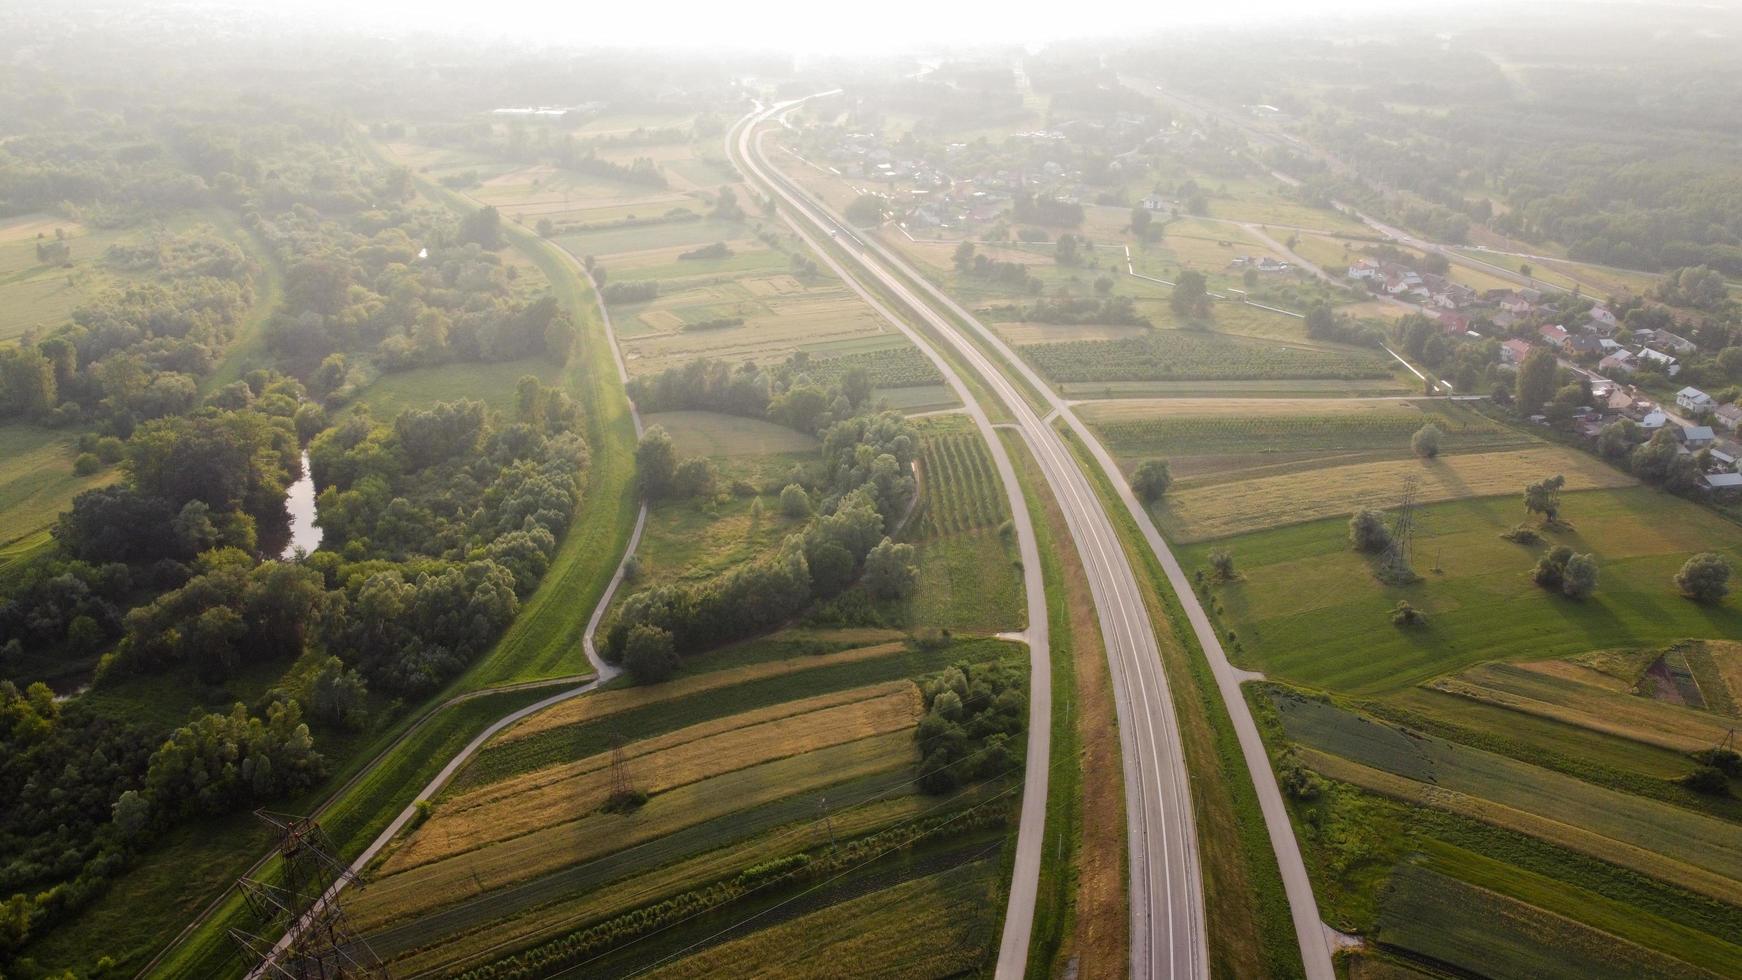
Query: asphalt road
1166, 901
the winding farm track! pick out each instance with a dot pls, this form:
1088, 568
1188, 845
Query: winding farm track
602, 673
1166, 900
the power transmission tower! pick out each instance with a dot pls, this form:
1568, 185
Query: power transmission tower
1397, 566
302, 908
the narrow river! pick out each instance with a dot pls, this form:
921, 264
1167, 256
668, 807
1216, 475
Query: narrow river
300, 501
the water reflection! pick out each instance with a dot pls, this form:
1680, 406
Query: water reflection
299, 500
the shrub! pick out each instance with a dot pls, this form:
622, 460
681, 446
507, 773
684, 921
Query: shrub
86, 464
1704, 578
648, 654
794, 501
1404, 614
1368, 533
1151, 479
1709, 780
1426, 441
1222, 563
1522, 534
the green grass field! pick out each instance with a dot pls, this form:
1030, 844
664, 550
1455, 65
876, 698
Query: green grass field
1308, 610
37, 480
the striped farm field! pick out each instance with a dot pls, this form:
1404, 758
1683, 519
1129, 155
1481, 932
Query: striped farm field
874, 933
1245, 428
1701, 853
1203, 512
513, 807
464, 935
961, 489
604, 703
1539, 689
429, 886
1483, 933
1185, 355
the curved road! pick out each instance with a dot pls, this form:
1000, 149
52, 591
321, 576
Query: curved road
1313, 937
1167, 918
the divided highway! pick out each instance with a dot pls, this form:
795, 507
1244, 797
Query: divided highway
1167, 909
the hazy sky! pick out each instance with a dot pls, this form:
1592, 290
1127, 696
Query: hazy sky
819, 25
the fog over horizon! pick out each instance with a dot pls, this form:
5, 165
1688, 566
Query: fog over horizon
892, 27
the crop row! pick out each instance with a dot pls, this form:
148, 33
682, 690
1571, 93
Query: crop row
892, 367
961, 490
1235, 433
1168, 355
584, 944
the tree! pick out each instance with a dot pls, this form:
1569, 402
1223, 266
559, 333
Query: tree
338, 696
1191, 295
1368, 533
866, 210
655, 463
794, 502
890, 570
546, 227
1222, 563
648, 654
1618, 438
964, 257
1320, 321
1140, 218
1151, 480
1405, 615
1536, 378
694, 477
482, 227
27, 382
1066, 252
1579, 578
1705, 577
1426, 441
1544, 497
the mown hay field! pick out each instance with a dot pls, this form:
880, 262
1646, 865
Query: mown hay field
715, 434
1307, 609
1198, 513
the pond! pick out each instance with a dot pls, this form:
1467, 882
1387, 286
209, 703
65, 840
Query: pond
299, 500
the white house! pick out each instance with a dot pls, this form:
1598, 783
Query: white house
1654, 420
1729, 416
1695, 400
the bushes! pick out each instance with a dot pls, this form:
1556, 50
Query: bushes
1704, 578
631, 292
718, 250
648, 654
1560, 570
1426, 441
1405, 615
1368, 533
1151, 480
974, 715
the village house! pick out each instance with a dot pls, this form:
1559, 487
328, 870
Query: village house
1729, 416
1695, 437
1553, 334
1601, 314
1694, 400
1671, 366
1514, 351
1665, 340
1582, 345
1653, 420
1618, 362
1730, 482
